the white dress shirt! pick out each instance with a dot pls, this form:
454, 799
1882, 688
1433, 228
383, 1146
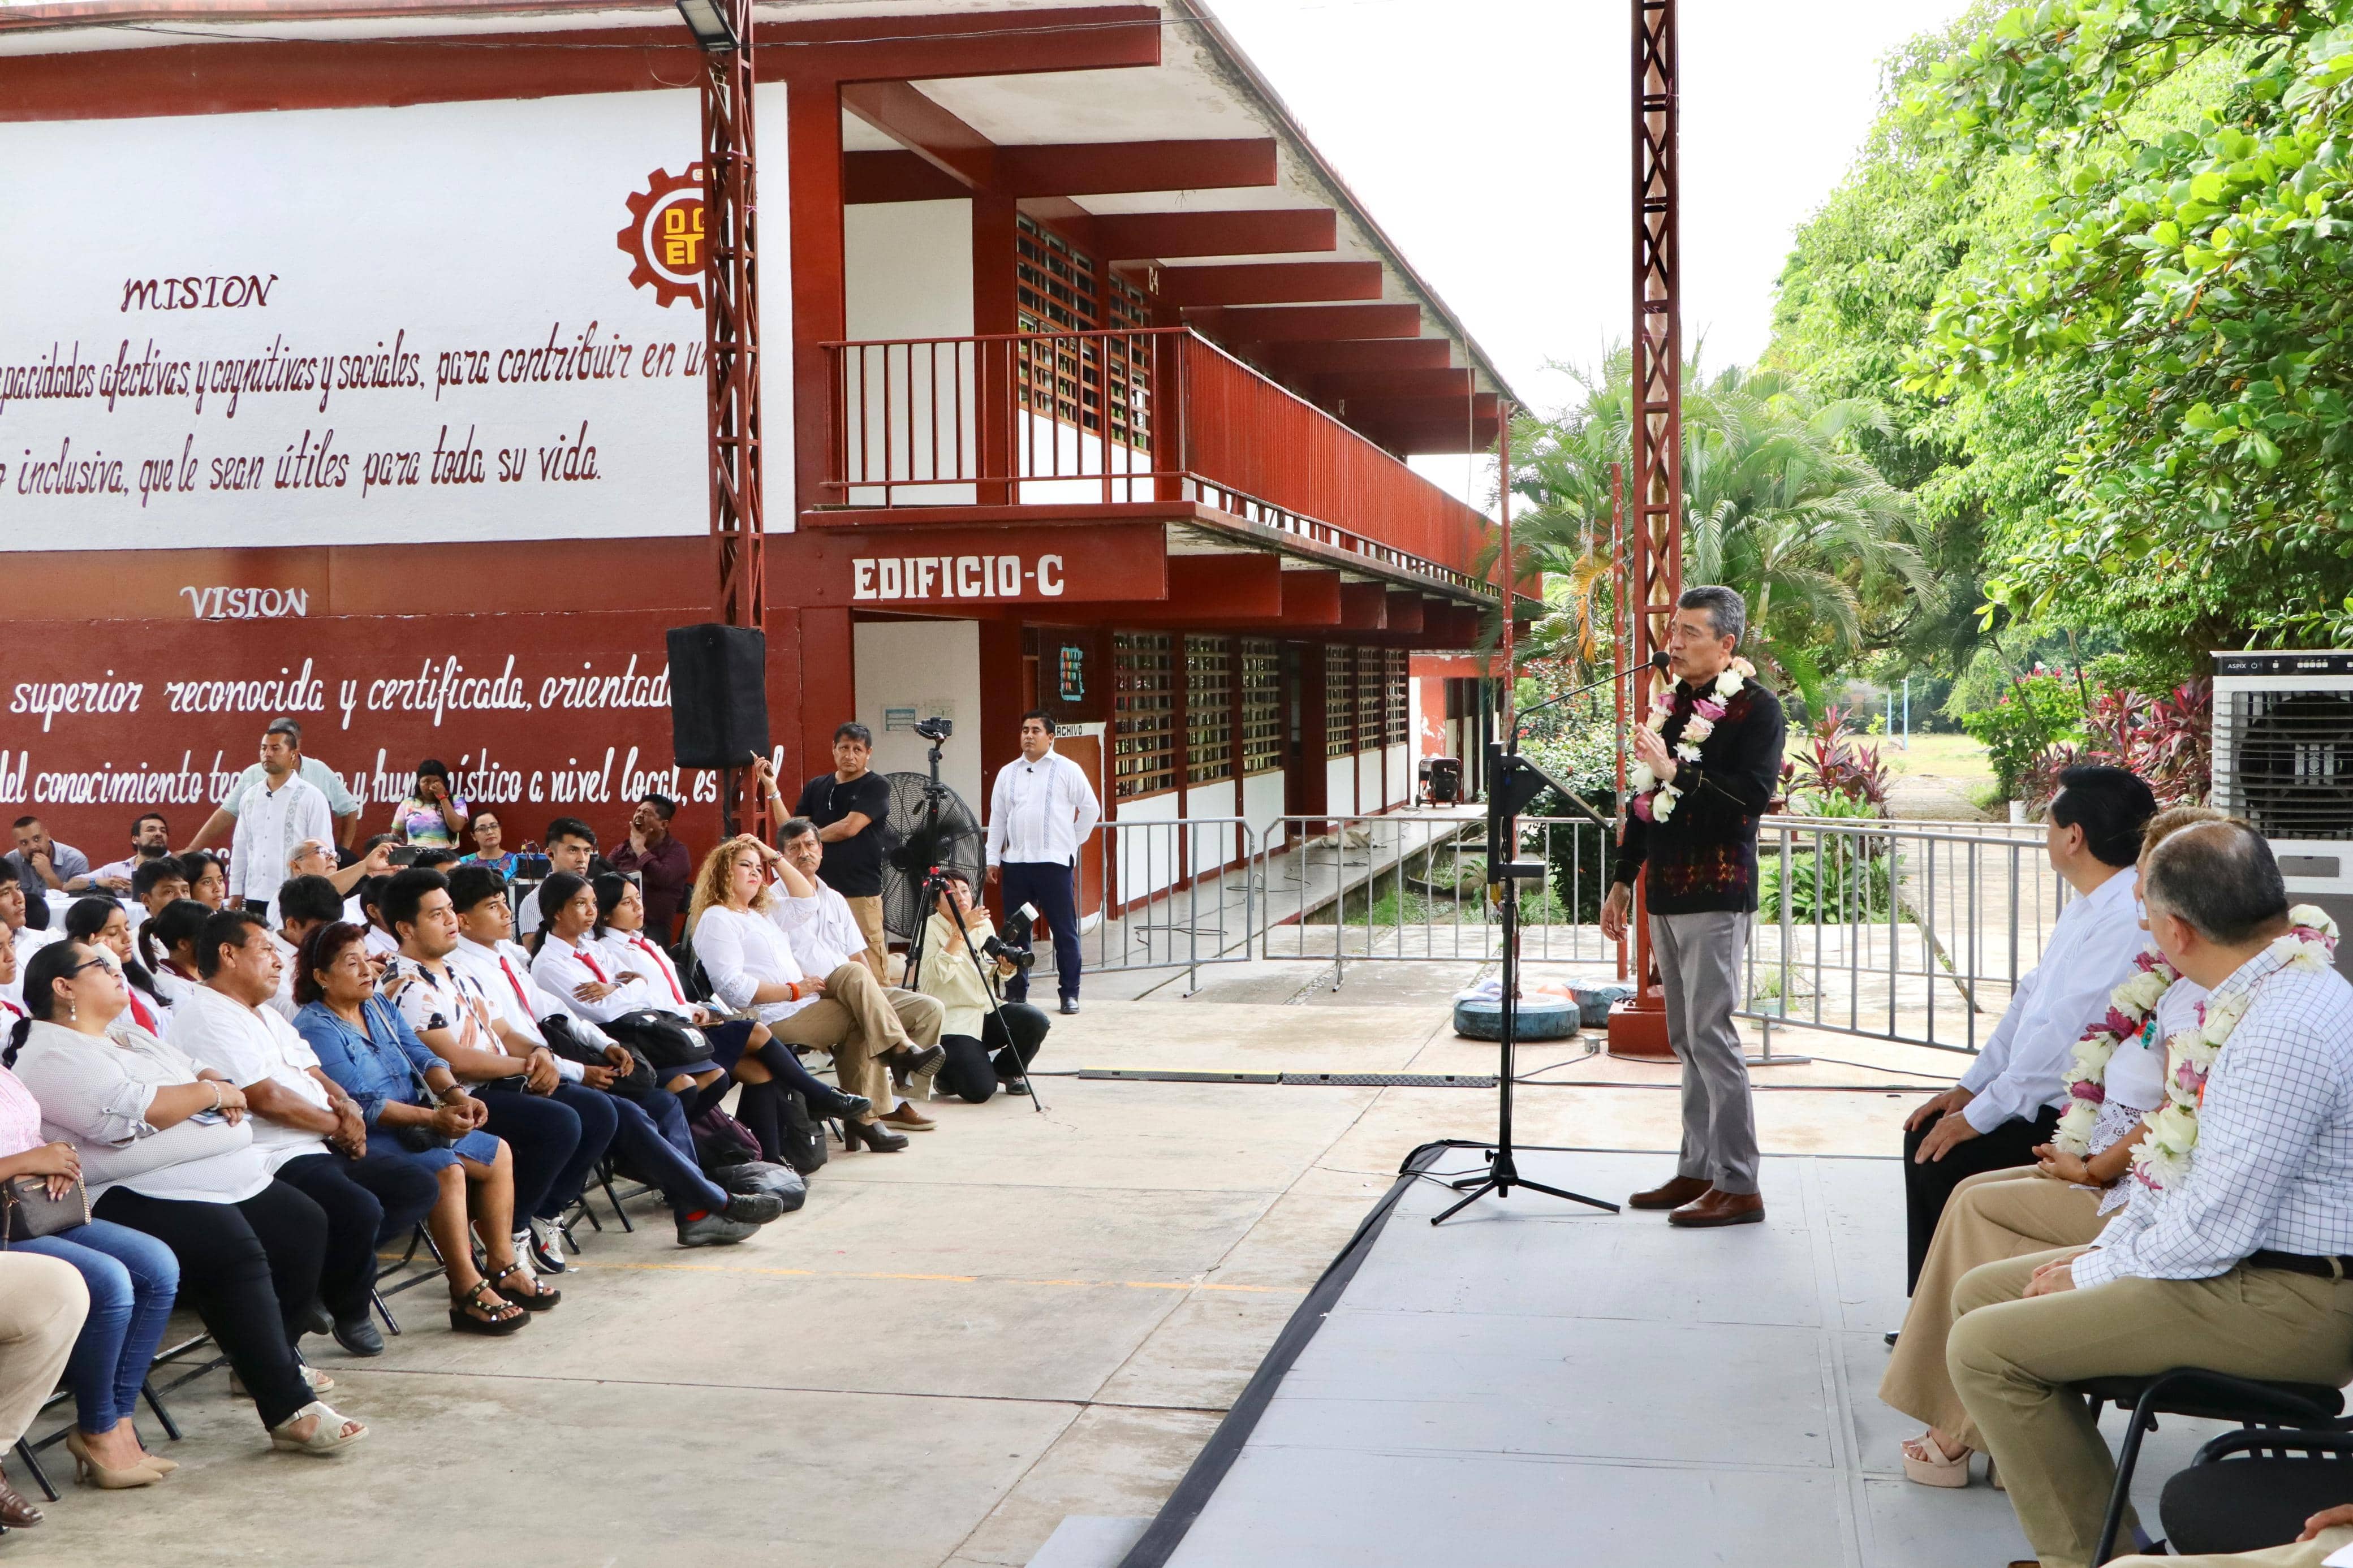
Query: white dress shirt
741, 951
270, 826
661, 987
314, 773
516, 999
1041, 810
559, 967
2023, 1065
827, 935
248, 1044
289, 959
445, 1001
2274, 1165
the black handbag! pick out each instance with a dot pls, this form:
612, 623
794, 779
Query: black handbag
664, 1039
27, 1210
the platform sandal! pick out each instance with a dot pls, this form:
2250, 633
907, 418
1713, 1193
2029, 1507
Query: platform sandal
538, 1299
505, 1316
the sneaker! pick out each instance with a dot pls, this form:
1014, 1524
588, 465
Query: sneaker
1017, 1086
544, 1241
754, 1209
713, 1229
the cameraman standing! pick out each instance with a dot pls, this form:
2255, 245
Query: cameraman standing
1040, 814
849, 806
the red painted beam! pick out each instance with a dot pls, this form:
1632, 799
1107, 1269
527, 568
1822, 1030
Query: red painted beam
1270, 283
926, 128
1406, 613
1151, 236
1435, 438
1308, 323
1364, 607
935, 45
1311, 599
1352, 384
1378, 353
1207, 590
1098, 168
1411, 411
896, 177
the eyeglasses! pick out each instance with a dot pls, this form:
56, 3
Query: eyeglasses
106, 963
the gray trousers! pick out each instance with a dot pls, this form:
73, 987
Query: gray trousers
1699, 969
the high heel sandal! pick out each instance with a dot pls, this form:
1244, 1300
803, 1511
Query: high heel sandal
538, 1299
506, 1316
1925, 1462
327, 1435
87, 1470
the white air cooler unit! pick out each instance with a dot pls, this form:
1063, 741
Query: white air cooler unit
2283, 761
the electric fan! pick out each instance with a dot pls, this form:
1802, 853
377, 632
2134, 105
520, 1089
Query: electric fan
929, 825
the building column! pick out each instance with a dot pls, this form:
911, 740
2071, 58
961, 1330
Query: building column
996, 308
822, 692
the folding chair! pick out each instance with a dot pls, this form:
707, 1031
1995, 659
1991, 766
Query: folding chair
2249, 1489
2203, 1395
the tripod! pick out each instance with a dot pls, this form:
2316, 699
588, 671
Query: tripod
936, 882
1513, 783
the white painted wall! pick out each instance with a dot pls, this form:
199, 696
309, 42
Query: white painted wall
907, 273
1149, 857
1368, 781
933, 668
1400, 766
1209, 847
1262, 805
1340, 785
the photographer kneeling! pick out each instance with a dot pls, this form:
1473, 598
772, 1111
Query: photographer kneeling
971, 1030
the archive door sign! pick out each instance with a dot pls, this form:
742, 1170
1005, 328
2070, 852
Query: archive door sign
951, 568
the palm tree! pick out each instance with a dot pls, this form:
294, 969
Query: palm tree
1778, 502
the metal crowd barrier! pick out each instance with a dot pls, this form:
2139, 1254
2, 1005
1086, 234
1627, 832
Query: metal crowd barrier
1175, 895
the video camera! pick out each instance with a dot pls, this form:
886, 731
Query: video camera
935, 730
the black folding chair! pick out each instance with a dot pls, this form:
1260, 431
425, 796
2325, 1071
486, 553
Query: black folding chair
2203, 1395
2250, 1489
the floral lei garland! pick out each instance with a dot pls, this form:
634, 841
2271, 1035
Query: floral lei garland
2162, 1159
2129, 1008
1655, 801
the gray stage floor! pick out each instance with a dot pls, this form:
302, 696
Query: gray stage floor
1534, 1384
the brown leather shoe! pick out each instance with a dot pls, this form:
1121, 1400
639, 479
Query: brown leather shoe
907, 1118
1721, 1208
16, 1513
1674, 1195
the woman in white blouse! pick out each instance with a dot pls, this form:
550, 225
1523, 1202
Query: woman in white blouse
165, 1149
2064, 1201
737, 925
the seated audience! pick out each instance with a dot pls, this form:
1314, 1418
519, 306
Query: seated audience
2237, 1263
166, 1148
571, 846
971, 1030
132, 1278
740, 934
430, 816
369, 916
17, 926
43, 862
100, 922
151, 839
826, 936
648, 1128
309, 1132
12, 1000
2008, 1102
558, 1131
414, 1109
208, 883
154, 884
313, 772
167, 946
42, 1303
316, 857
2063, 1201
665, 872
305, 904
488, 836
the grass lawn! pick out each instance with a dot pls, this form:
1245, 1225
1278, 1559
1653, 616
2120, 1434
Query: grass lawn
1938, 756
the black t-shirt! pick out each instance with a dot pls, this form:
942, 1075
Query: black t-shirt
853, 866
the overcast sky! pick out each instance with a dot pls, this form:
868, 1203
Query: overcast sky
1490, 139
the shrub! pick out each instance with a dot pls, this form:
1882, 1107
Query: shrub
1849, 877
2038, 712
1839, 765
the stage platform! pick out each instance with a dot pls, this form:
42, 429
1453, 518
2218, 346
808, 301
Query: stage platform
1539, 1384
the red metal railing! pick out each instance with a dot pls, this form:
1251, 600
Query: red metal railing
1158, 413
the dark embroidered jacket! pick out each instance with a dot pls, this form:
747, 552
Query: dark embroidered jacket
1703, 857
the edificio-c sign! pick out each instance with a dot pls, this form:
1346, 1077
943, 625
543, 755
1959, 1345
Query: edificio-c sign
1006, 576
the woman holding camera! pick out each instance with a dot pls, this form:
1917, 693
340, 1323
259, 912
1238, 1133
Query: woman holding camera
971, 1030
409, 1096
430, 817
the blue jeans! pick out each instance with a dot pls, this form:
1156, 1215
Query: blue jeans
132, 1278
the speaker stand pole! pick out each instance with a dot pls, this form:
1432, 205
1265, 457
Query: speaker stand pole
727, 785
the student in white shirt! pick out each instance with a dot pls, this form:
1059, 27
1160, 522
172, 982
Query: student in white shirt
649, 1128
275, 815
830, 936
740, 934
305, 904
167, 946
2009, 1101
309, 1132
1041, 810
27, 938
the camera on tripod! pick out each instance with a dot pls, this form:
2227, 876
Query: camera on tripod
935, 730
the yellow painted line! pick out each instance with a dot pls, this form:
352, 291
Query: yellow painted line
953, 1278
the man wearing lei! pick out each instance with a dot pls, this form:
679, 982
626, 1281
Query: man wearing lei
2242, 1265
1703, 769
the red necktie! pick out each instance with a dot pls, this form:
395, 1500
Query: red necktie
505, 969
147, 1020
647, 948
592, 965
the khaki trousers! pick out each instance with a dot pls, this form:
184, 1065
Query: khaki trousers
861, 1023
42, 1305
868, 915
1993, 1215
2011, 1360
2299, 1554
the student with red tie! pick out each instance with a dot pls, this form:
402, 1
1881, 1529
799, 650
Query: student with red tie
100, 922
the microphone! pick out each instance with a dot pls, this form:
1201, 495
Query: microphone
1658, 661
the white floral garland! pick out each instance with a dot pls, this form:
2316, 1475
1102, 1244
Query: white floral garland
2129, 1005
2162, 1159
1654, 801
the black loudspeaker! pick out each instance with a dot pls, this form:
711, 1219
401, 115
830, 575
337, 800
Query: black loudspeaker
718, 695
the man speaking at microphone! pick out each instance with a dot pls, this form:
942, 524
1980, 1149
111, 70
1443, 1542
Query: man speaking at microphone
1704, 767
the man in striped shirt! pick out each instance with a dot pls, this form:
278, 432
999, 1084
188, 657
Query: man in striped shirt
2240, 1266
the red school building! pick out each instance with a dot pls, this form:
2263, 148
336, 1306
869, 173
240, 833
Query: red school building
353, 369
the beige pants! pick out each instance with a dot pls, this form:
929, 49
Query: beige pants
869, 914
861, 1023
1992, 1216
42, 1304
2300, 1554
2011, 1360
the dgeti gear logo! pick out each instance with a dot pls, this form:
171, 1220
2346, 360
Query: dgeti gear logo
664, 236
